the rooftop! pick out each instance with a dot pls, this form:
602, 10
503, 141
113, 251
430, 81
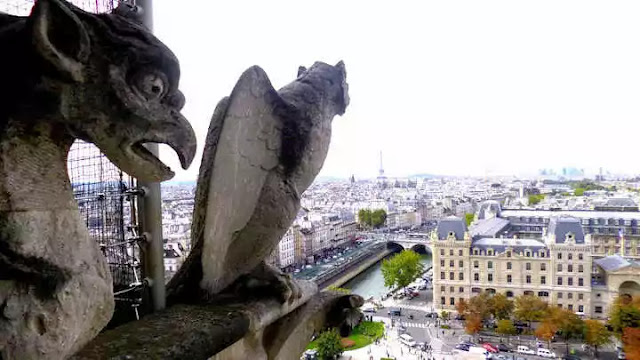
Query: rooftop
489, 227
581, 214
615, 263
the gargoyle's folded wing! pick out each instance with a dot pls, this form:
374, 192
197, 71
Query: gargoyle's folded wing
244, 147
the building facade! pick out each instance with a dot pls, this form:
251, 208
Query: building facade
559, 268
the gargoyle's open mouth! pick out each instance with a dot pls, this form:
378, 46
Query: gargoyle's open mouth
146, 155
148, 163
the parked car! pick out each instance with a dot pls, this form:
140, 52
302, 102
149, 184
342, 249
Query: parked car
422, 287
490, 348
467, 343
525, 350
504, 347
546, 353
459, 317
462, 347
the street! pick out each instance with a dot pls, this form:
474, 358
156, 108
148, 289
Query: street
415, 322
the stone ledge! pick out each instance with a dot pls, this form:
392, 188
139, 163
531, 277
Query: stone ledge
190, 331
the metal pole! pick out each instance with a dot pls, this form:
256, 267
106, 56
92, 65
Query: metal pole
150, 208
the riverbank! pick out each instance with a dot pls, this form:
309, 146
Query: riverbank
355, 270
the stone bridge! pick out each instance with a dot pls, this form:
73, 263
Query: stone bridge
418, 242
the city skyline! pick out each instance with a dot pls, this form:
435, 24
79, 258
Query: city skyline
444, 88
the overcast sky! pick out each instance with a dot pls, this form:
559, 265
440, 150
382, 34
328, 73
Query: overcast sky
445, 87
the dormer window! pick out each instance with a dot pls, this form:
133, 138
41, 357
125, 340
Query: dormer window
490, 252
527, 254
452, 234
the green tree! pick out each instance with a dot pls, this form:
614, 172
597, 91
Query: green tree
329, 345
444, 315
364, 218
500, 306
505, 327
468, 217
529, 308
596, 334
401, 269
534, 199
378, 218
625, 313
578, 192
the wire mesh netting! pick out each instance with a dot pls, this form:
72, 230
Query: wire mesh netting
23, 7
106, 198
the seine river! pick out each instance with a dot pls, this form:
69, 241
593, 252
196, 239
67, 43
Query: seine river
371, 283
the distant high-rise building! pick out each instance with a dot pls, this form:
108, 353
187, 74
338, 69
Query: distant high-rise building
381, 171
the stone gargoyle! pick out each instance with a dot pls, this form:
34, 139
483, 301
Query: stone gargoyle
65, 75
263, 149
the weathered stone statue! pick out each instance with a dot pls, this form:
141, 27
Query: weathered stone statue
263, 149
65, 75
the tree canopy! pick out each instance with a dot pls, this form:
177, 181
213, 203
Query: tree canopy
329, 345
468, 218
529, 308
535, 198
596, 334
500, 306
631, 340
372, 219
473, 324
625, 313
402, 269
505, 327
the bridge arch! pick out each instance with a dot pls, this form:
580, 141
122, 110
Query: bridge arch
392, 245
419, 247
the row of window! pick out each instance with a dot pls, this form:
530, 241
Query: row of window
570, 256
451, 276
451, 289
491, 252
543, 279
543, 266
452, 263
460, 252
598, 221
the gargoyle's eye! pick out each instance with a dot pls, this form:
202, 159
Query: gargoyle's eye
151, 85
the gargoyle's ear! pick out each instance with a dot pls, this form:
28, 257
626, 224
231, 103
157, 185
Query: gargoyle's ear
340, 66
59, 37
301, 70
